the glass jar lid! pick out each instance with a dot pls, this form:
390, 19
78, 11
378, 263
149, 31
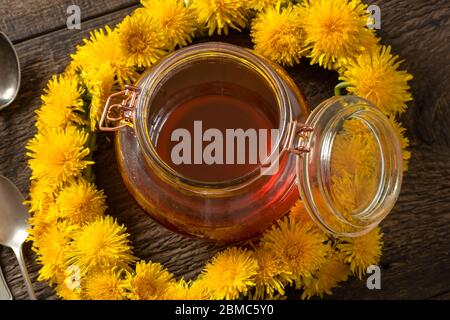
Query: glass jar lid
350, 175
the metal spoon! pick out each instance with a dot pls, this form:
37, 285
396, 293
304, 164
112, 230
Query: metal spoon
9, 86
13, 225
10, 75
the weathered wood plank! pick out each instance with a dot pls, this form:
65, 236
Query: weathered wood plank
22, 20
417, 235
444, 296
419, 31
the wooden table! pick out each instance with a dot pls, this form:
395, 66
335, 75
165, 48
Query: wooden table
416, 261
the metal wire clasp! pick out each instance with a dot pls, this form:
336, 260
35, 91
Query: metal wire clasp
118, 115
301, 131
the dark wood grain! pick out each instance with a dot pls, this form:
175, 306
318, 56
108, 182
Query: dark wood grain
26, 19
444, 296
416, 260
419, 31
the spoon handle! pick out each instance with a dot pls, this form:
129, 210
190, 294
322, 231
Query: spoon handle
5, 294
23, 268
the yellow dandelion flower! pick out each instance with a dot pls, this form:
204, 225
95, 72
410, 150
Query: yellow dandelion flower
41, 196
40, 223
141, 40
179, 291
71, 69
333, 271
278, 35
50, 216
58, 155
300, 247
404, 141
101, 244
354, 148
376, 77
100, 83
354, 168
98, 48
350, 193
38, 227
150, 281
260, 5
125, 74
63, 90
80, 202
104, 285
53, 245
62, 103
336, 31
230, 273
361, 252
271, 278
177, 22
199, 289
299, 212
66, 293
221, 15
102, 49
182, 290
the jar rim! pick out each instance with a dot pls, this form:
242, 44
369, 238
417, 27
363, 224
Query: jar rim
149, 85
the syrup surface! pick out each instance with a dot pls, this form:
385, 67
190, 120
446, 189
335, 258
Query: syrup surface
234, 108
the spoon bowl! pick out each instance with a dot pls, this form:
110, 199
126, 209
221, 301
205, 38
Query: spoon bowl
14, 224
13, 215
10, 75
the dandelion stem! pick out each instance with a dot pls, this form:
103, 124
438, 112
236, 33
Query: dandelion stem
339, 87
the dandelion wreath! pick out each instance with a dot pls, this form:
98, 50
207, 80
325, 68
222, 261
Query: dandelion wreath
69, 227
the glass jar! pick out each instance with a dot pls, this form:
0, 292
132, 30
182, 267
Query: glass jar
344, 157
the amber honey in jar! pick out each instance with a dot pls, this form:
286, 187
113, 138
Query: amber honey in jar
217, 142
